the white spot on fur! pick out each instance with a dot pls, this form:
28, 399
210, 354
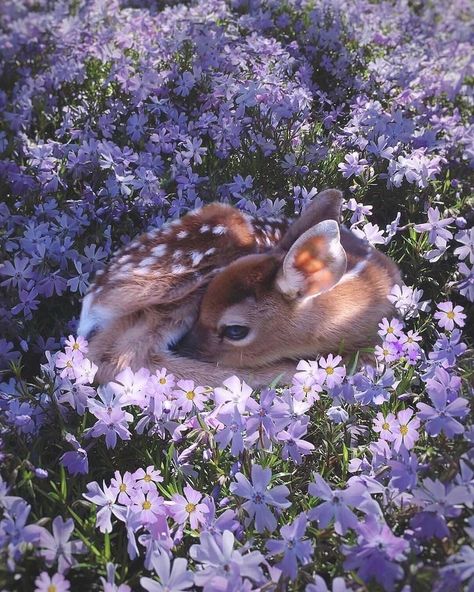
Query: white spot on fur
182, 234
178, 269
219, 229
196, 258
210, 251
142, 271
147, 262
204, 228
177, 254
159, 250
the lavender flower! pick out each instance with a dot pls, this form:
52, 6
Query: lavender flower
174, 578
294, 549
259, 497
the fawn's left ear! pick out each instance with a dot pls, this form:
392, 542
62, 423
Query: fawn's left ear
315, 262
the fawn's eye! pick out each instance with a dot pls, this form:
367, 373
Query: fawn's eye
235, 332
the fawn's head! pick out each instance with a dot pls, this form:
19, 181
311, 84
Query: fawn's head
261, 307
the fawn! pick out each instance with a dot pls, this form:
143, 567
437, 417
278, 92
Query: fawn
148, 296
321, 289
271, 293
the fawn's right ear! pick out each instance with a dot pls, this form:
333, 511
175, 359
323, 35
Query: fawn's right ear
314, 264
325, 206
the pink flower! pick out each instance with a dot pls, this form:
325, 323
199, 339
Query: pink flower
385, 426
188, 396
149, 505
390, 330
187, 507
55, 583
234, 393
405, 431
146, 479
334, 374
448, 315
123, 486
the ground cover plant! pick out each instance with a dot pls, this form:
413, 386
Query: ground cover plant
117, 116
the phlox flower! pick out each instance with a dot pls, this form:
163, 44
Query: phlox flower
461, 567
376, 553
105, 499
165, 382
146, 479
189, 396
76, 462
156, 539
387, 352
370, 233
220, 562
55, 583
405, 430
390, 330
232, 432
438, 502
15, 534
409, 341
334, 373
443, 382
466, 238
294, 446
435, 226
260, 422
309, 371
172, 578
225, 521
293, 546
76, 344
384, 426
131, 387
336, 504
57, 546
259, 496
148, 505
319, 585
449, 315
440, 417
353, 165
66, 361
111, 424
404, 472
447, 349
305, 389
234, 392
109, 583
407, 300
123, 486
372, 388
187, 507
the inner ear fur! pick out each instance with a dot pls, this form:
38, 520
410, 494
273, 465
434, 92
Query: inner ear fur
315, 262
325, 206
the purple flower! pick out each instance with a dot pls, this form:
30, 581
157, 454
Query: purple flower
385, 426
376, 553
353, 165
18, 273
219, 561
233, 431
57, 546
76, 462
234, 393
172, 579
259, 497
294, 446
435, 226
336, 504
440, 418
147, 505
294, 549
105, 498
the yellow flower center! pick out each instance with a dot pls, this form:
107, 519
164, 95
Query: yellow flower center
329, 370
403, 430
162, 380
122, 487
306, 389
52, 588
75, 346
385, 426
190, 508
385, 352
68, 364
190, 395
147, 478
450, 315
390, 330
146, 505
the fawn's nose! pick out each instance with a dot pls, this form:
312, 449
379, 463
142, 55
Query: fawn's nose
188, 345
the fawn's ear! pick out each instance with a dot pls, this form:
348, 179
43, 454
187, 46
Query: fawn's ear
325, 206
315, 262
